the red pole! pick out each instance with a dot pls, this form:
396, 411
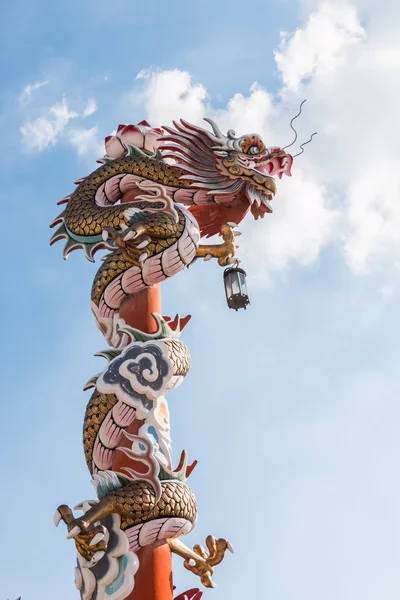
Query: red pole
153, 581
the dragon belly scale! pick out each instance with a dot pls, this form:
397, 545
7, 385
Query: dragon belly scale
156, 193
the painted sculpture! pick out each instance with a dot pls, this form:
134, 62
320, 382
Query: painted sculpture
183, 183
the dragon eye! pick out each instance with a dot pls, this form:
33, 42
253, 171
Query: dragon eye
254, 150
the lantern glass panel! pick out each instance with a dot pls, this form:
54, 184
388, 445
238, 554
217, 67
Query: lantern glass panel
235, 282
243, 286
228, 285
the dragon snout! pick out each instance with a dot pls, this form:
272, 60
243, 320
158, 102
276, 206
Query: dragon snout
270, 185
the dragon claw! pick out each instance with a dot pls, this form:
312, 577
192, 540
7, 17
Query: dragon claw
129, 236
84, 506
97, 538
57, 518
73, 532
143, 244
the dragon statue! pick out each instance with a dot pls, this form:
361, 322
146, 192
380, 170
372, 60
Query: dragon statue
156, 193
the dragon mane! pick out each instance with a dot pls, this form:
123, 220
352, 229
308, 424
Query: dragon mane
194, 149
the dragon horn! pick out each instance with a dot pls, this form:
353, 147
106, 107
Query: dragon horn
217, 132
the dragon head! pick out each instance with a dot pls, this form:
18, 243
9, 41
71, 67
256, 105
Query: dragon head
224, 165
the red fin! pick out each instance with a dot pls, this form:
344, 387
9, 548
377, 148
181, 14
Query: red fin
193, 594
190, 468
178, 321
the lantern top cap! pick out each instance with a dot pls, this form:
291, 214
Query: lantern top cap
234, 270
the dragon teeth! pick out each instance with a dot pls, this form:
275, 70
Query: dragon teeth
258, 197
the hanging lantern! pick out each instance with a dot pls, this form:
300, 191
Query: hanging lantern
236, 288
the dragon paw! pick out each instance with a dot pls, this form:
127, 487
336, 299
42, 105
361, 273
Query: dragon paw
229, 246
225, 252
90, 540
204, 565
132, 240
200, 561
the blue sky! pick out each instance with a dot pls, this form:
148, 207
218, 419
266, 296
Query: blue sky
291, 407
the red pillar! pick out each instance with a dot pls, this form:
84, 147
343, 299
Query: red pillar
153, 581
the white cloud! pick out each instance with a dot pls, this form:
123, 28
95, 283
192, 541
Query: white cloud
249, 113
86, 142
45, 130
321, 46
144, 74
26, 93
352, 81
171, 94
373, 215
90, 108
302, 223
53, 126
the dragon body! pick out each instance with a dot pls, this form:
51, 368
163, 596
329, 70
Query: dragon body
149, 209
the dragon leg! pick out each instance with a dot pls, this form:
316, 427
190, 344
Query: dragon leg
142, 516
226, 251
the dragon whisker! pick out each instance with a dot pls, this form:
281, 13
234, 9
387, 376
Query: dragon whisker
291, 126
304, 144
